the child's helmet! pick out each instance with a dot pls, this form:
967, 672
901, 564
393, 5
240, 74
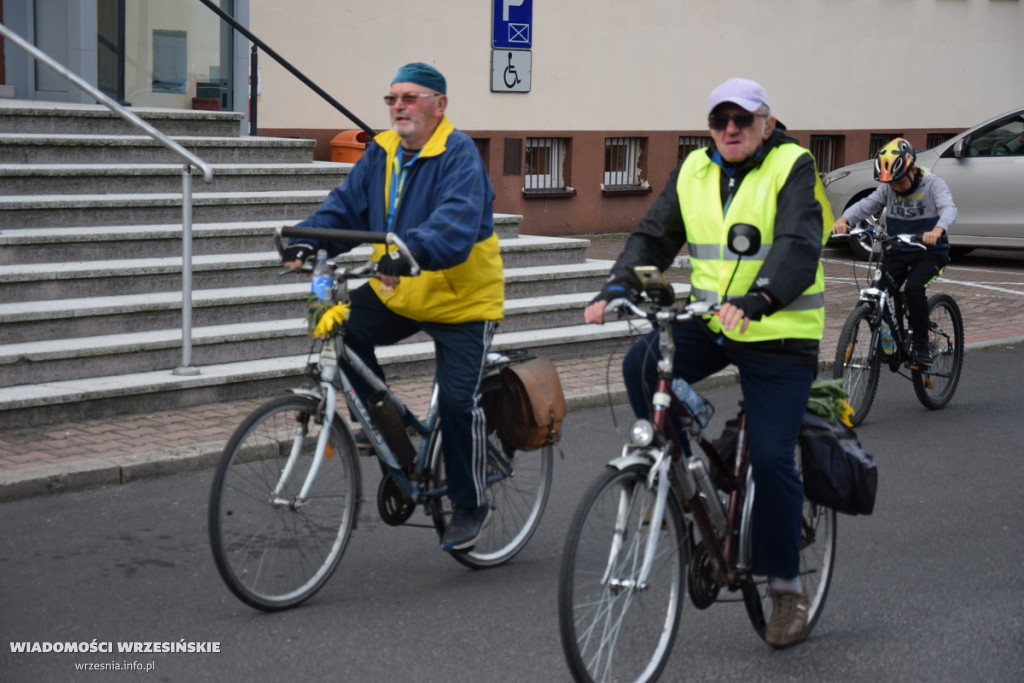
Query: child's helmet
894, 161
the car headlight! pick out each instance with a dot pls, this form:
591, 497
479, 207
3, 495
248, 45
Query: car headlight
641, 433
834, 176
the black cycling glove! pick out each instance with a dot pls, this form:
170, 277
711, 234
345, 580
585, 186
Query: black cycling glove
753, 305
615, 290
298, 251
393, 264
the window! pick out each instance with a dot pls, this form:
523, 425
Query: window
935, 139
824, 147
545, 165
623, 164
169, 61
1003, 138
878, 141
483, 148
513, 161
689, 143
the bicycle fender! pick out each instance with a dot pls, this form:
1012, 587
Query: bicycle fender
304, 391
624, 462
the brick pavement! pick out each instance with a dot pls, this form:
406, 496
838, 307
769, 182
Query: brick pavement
126, 447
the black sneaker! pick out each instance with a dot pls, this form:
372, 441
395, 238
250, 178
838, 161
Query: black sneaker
465, 526
923, 359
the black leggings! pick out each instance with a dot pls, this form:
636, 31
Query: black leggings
917, 269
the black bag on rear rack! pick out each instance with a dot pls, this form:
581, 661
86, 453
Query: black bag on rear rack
838, 473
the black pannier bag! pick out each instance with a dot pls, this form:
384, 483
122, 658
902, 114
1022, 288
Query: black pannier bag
838, 473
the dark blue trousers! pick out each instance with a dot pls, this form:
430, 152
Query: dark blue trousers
460, 350
775, 392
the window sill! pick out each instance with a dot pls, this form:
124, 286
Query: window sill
553, 193
625, 190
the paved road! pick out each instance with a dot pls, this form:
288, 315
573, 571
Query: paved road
928, 588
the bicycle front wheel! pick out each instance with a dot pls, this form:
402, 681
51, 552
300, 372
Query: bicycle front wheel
936, 385
817, 563
517, 491
858, 361
272, 549
613, 628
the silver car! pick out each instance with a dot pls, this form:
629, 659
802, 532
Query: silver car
984, 168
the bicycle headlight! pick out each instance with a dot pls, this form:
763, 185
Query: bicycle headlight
641, 433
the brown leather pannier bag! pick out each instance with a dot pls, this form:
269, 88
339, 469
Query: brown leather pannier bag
532, 405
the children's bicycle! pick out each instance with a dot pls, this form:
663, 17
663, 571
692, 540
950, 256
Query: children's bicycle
877, 332
286, 494
661, 527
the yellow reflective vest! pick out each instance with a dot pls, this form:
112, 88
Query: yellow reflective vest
754, 202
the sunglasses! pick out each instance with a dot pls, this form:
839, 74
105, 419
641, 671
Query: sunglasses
408, 99
744, 120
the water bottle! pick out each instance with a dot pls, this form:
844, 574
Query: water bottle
888, 345
323, 279
699, 409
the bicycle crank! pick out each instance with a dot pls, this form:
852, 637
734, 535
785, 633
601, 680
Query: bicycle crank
701, 578
394, 508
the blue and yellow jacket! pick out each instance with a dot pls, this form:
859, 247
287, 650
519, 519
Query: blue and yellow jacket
444, 213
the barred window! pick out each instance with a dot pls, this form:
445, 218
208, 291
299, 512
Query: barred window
545, 164
623, 162
483, 148
824, 147
878, 141
689, 143
936, 139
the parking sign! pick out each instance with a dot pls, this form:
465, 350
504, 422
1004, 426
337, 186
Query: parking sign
512, 24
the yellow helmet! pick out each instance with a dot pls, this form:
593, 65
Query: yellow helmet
894, 161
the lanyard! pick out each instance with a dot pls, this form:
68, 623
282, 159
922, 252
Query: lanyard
398, 173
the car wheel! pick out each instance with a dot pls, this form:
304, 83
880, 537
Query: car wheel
861, 248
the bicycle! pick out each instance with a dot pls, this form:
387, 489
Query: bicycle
287, 491
660, 524
861, 349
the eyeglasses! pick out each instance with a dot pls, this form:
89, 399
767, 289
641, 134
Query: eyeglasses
408, 99
744, 120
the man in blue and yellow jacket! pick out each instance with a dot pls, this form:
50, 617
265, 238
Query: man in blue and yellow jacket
425, 181
772, 312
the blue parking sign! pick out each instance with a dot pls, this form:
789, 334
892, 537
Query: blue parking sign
512, 24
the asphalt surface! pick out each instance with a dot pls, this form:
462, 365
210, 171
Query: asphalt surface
927, 588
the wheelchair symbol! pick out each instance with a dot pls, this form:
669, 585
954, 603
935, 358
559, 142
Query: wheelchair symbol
510, 72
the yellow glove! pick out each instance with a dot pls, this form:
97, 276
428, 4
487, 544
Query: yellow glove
845, 416
332, 317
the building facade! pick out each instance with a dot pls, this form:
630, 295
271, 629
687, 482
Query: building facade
606, 96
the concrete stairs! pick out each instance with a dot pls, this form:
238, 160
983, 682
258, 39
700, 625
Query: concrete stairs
90, 268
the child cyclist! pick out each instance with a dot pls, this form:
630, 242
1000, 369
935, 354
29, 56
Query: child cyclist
917, 202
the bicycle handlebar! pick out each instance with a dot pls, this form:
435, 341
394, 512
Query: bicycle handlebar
358, 236
663, 315
912, 240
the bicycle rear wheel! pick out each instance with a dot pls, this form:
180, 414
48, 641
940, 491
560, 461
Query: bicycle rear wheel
936, 385
611, 628
272, 550
817, 563
517, 490
858, 362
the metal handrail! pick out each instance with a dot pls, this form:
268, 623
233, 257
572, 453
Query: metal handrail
284, 62
186, 184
